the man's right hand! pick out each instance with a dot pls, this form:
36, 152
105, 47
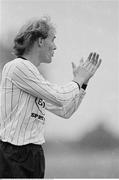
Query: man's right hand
86, 69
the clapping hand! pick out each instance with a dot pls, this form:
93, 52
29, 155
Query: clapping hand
87, 69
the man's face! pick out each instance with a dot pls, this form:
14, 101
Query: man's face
47, 48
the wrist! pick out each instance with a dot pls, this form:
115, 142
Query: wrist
77, 84
83, 86
86, 82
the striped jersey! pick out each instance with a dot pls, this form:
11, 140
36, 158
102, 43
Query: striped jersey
25, 95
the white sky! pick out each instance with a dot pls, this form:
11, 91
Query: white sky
82, 27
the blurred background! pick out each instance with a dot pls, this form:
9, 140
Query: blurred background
87, 144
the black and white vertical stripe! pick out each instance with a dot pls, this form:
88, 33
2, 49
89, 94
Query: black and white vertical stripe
21, 84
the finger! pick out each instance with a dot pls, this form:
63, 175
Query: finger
99, 62
93, 58
97, 56
90, 55
87, 62
81, 61
97, 65
96, 59
73, 66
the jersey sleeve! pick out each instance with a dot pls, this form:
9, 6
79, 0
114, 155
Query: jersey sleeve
71, 104
27, 77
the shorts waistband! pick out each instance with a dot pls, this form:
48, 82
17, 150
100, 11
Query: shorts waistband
30, 145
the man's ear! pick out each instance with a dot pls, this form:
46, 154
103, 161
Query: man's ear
40, 42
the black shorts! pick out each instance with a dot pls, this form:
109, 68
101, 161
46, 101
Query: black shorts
25, 161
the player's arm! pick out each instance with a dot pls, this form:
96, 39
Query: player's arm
82, 74
26, 77
69, 106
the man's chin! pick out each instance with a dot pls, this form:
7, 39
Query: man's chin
49, 60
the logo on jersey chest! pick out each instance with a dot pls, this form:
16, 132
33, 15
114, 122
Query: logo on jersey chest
40, 103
